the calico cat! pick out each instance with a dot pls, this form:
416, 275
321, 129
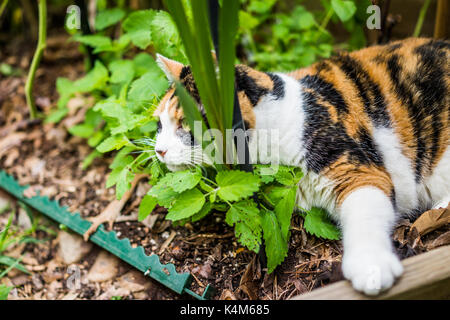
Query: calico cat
370, 129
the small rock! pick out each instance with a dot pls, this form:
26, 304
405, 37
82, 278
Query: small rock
132, 281
105, 268
53, 289
4, 201
37, 283
204, 270
54, 272
20, 280
150, 220
140, 295
72, 247
70, 296
165, 235
23, 219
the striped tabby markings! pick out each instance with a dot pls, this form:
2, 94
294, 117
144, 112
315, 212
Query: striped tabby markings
421, 89
401, 120
348, 176
261, 79
355, 118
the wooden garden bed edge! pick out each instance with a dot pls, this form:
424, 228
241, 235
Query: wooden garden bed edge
426, 276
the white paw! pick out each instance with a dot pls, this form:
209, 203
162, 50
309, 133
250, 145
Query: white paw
371, 271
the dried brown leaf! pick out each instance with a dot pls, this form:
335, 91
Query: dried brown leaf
431, 220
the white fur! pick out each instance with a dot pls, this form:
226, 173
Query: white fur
281, 115
367, 217
178, 155
437, 186
399, 167
286, 115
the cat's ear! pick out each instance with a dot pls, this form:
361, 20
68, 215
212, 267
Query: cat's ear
171, 68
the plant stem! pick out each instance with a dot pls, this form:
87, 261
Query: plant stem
3, 6
325, 20
422, 14
37, 57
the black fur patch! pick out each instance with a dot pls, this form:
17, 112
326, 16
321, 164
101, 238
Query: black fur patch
249, 86
325, 141
369, 91
278, 86
326, 91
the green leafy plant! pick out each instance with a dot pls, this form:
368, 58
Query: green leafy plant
127, 85
298, 36
10, 236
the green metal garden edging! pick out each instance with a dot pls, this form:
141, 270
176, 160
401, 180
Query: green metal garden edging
108, 240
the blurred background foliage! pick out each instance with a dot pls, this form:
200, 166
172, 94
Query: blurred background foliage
273, 35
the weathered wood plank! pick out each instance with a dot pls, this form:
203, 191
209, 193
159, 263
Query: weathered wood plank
426, 276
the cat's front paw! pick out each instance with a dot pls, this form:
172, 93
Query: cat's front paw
371, 271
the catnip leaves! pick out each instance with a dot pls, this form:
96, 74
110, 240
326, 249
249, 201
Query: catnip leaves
190, 195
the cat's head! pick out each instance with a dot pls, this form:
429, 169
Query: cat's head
175, 144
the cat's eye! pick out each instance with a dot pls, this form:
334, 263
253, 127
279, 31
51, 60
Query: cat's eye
159, 126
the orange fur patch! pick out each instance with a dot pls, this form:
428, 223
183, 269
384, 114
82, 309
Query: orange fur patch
348, 177
246, 109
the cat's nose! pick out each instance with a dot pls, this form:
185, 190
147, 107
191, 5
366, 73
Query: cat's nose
162, 153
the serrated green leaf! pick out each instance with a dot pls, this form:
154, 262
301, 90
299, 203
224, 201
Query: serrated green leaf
235, 184
123, 182
121, 71
155, 171
344, 9
98, 42
206, 209
284, 176
96, 138
244, 216
89, 159
165, 36
146, 207
96, 78
165, 195
122, 158
205, 187
143, 63
112, 143
82, 130
186, 205
283, 210
183, 180
304, 19
108, 17
124, 119
138, 27
56, 115
318, 224
276, 244
152, 84
65, 89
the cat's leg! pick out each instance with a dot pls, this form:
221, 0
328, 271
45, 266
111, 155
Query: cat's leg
369, 262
